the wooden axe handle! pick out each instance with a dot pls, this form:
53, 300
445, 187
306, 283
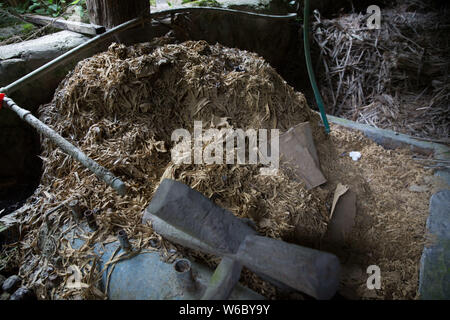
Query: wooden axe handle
313, 272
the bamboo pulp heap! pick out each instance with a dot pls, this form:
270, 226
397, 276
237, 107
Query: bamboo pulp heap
121, 106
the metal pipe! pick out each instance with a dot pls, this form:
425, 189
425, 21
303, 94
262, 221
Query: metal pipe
110, 179
67, 147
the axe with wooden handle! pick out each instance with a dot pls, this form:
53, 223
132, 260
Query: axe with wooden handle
187, 217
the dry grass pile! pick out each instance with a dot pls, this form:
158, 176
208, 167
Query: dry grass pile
396, 77
121, 106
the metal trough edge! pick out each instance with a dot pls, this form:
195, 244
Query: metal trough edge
391, 139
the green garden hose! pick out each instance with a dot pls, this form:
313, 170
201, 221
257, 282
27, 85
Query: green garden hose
312, 77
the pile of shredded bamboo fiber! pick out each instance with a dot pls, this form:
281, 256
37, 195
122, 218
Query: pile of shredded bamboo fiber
395, 77
121, 106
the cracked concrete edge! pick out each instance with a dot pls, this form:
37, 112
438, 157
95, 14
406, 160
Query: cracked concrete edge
434, 276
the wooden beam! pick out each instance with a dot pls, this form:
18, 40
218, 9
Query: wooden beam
60, 23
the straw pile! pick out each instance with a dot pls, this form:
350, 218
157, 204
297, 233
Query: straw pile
121, 106
395, 77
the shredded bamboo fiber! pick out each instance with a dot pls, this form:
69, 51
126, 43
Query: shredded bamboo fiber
120, 108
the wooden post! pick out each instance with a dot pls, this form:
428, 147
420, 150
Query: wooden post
110, 13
